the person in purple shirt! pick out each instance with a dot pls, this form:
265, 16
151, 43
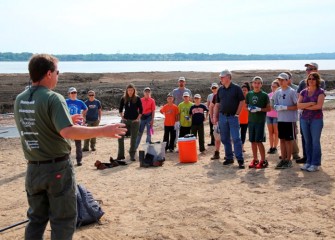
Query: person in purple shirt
311, 101
76, 106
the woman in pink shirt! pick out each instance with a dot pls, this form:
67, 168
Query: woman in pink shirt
272, 121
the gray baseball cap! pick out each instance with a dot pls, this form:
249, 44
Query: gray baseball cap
225, 73
312, 64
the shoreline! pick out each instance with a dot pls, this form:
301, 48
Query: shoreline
109, 87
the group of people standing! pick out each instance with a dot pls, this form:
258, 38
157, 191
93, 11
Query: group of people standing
46, 120
238, 109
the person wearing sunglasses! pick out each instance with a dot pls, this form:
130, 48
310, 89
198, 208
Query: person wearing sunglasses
93, 118
76, 106
45, 124
214, 88
310, 67
311, 101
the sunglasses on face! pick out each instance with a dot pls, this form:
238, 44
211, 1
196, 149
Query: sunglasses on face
214, 87
313, 79
310, 69
73, 92
91, 95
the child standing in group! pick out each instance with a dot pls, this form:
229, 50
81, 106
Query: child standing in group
244, 114
272, 120
285, 103
171, 113
184, 115
258, 104
197, 111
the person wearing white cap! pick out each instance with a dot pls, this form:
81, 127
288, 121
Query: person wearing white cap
229, 103
214, 88
310, 67
76, 106
285, 103
148, 116
199, 114
184, 115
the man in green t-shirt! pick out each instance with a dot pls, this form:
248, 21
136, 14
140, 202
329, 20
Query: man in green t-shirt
258, 104
44, 124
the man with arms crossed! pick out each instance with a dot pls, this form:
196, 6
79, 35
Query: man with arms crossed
44, 124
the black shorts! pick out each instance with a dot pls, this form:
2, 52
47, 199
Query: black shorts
256, 132
287, 130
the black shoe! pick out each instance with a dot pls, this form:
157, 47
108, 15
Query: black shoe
85, 150
270, 151
132, 159
120, 158
79, 164
211, 144
241, 165
93, 149
228, 162
301, 160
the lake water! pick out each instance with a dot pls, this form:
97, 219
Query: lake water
166, 66
12, 132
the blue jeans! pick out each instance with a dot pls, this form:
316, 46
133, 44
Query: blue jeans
312, 133
144, 123
230, 129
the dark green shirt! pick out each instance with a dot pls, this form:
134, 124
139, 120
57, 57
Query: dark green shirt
261, 100
39, 122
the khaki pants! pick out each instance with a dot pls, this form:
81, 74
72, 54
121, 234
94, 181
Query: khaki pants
51, 199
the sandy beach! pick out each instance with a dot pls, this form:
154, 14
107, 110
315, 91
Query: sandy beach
204, 200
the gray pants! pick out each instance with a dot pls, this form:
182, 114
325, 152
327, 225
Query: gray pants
133, 128
51, 196
92, 140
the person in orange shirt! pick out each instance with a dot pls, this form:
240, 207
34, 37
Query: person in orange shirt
148, 115
243, 117
171, 113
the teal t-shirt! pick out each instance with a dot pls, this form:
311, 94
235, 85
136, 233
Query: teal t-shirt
259, 99
184, 111
39, 122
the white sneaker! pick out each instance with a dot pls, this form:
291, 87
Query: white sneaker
313, 168
305, 167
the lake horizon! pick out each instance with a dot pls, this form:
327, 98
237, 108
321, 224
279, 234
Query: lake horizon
170, 66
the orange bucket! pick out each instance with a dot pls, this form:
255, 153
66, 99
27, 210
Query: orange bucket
187, 148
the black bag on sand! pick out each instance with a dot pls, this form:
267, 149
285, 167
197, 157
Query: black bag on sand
88, 209
148, 160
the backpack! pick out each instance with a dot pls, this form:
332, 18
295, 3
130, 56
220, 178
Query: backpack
88, 209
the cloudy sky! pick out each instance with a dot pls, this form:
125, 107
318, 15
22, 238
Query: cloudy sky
167, 26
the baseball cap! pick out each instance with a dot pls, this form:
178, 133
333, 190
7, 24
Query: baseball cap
312, 64
257, 78
186, 94
181, 79
72, 89
214, 85
147, 89
169, 95
197, 96
225, 73
283, 76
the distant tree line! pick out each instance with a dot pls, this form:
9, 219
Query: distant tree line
9, 56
